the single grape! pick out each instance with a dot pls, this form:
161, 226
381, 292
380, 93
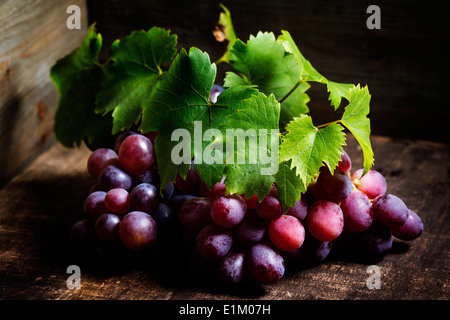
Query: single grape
215, 91
411, 229
270, 208
286, 233
114, 177
217, 190
107, 228
372, 183
136, 154
251, 230
83, 234
213, 241
148, 176
332, 187
264, 263
118, 201
120, 139
231, 271
99, 159
357, 211
376, 241
228, 211
345, 165
325, 220
144, 197
164, 217
195, 212
137, 230
390, 210
94, 205
167, 192
299, 210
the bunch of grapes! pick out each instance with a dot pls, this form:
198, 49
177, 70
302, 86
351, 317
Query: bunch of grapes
235, 238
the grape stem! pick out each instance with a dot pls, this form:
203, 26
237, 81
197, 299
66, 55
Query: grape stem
291, 91
329, 123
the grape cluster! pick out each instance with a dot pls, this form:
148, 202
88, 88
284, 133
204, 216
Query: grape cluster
234, 238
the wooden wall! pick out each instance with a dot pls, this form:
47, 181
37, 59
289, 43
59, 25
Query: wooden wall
33, 35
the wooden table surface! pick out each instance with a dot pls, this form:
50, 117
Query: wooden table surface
39, 206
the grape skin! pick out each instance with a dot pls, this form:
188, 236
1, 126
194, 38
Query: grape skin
137, 230
411, 229
372, 183
112, 177
213, 241
376, 241
94, 205
286, 233
357, 211
99, 159
144, 197
264, 263
195, 212
325, 220
228, 211
299, 210
118, 201
251, 230
269, 208
332, 187
107, 228
136, 154
390, 210
345, 165
231, 271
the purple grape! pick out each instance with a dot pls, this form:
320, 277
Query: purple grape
228, 211
411, 229
325, 220
94, 205
231, 271
107, 228
372, 183
148, 176
332, 187
120, 139
299, 210
311, 252
345, 165
99, 159
390, 210
215, 91
195, 212
177, 200
213, 241
264, 263
357, 211
118, 201
137, 230
114, 177
136, 154
144, 197
167, 192
286, 233
164, 217
270, 208
251, 230
376, 241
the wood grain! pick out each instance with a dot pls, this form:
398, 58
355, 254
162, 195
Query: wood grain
39, 206
33, 35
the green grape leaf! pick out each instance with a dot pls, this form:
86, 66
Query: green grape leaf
78, 78
308, 73
309, 147
132, 72
256, 164
264, 62
355, 119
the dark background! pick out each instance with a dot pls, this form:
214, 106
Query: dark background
404, 63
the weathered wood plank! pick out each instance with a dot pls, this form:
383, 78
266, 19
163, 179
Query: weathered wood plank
39, 206
33, 35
